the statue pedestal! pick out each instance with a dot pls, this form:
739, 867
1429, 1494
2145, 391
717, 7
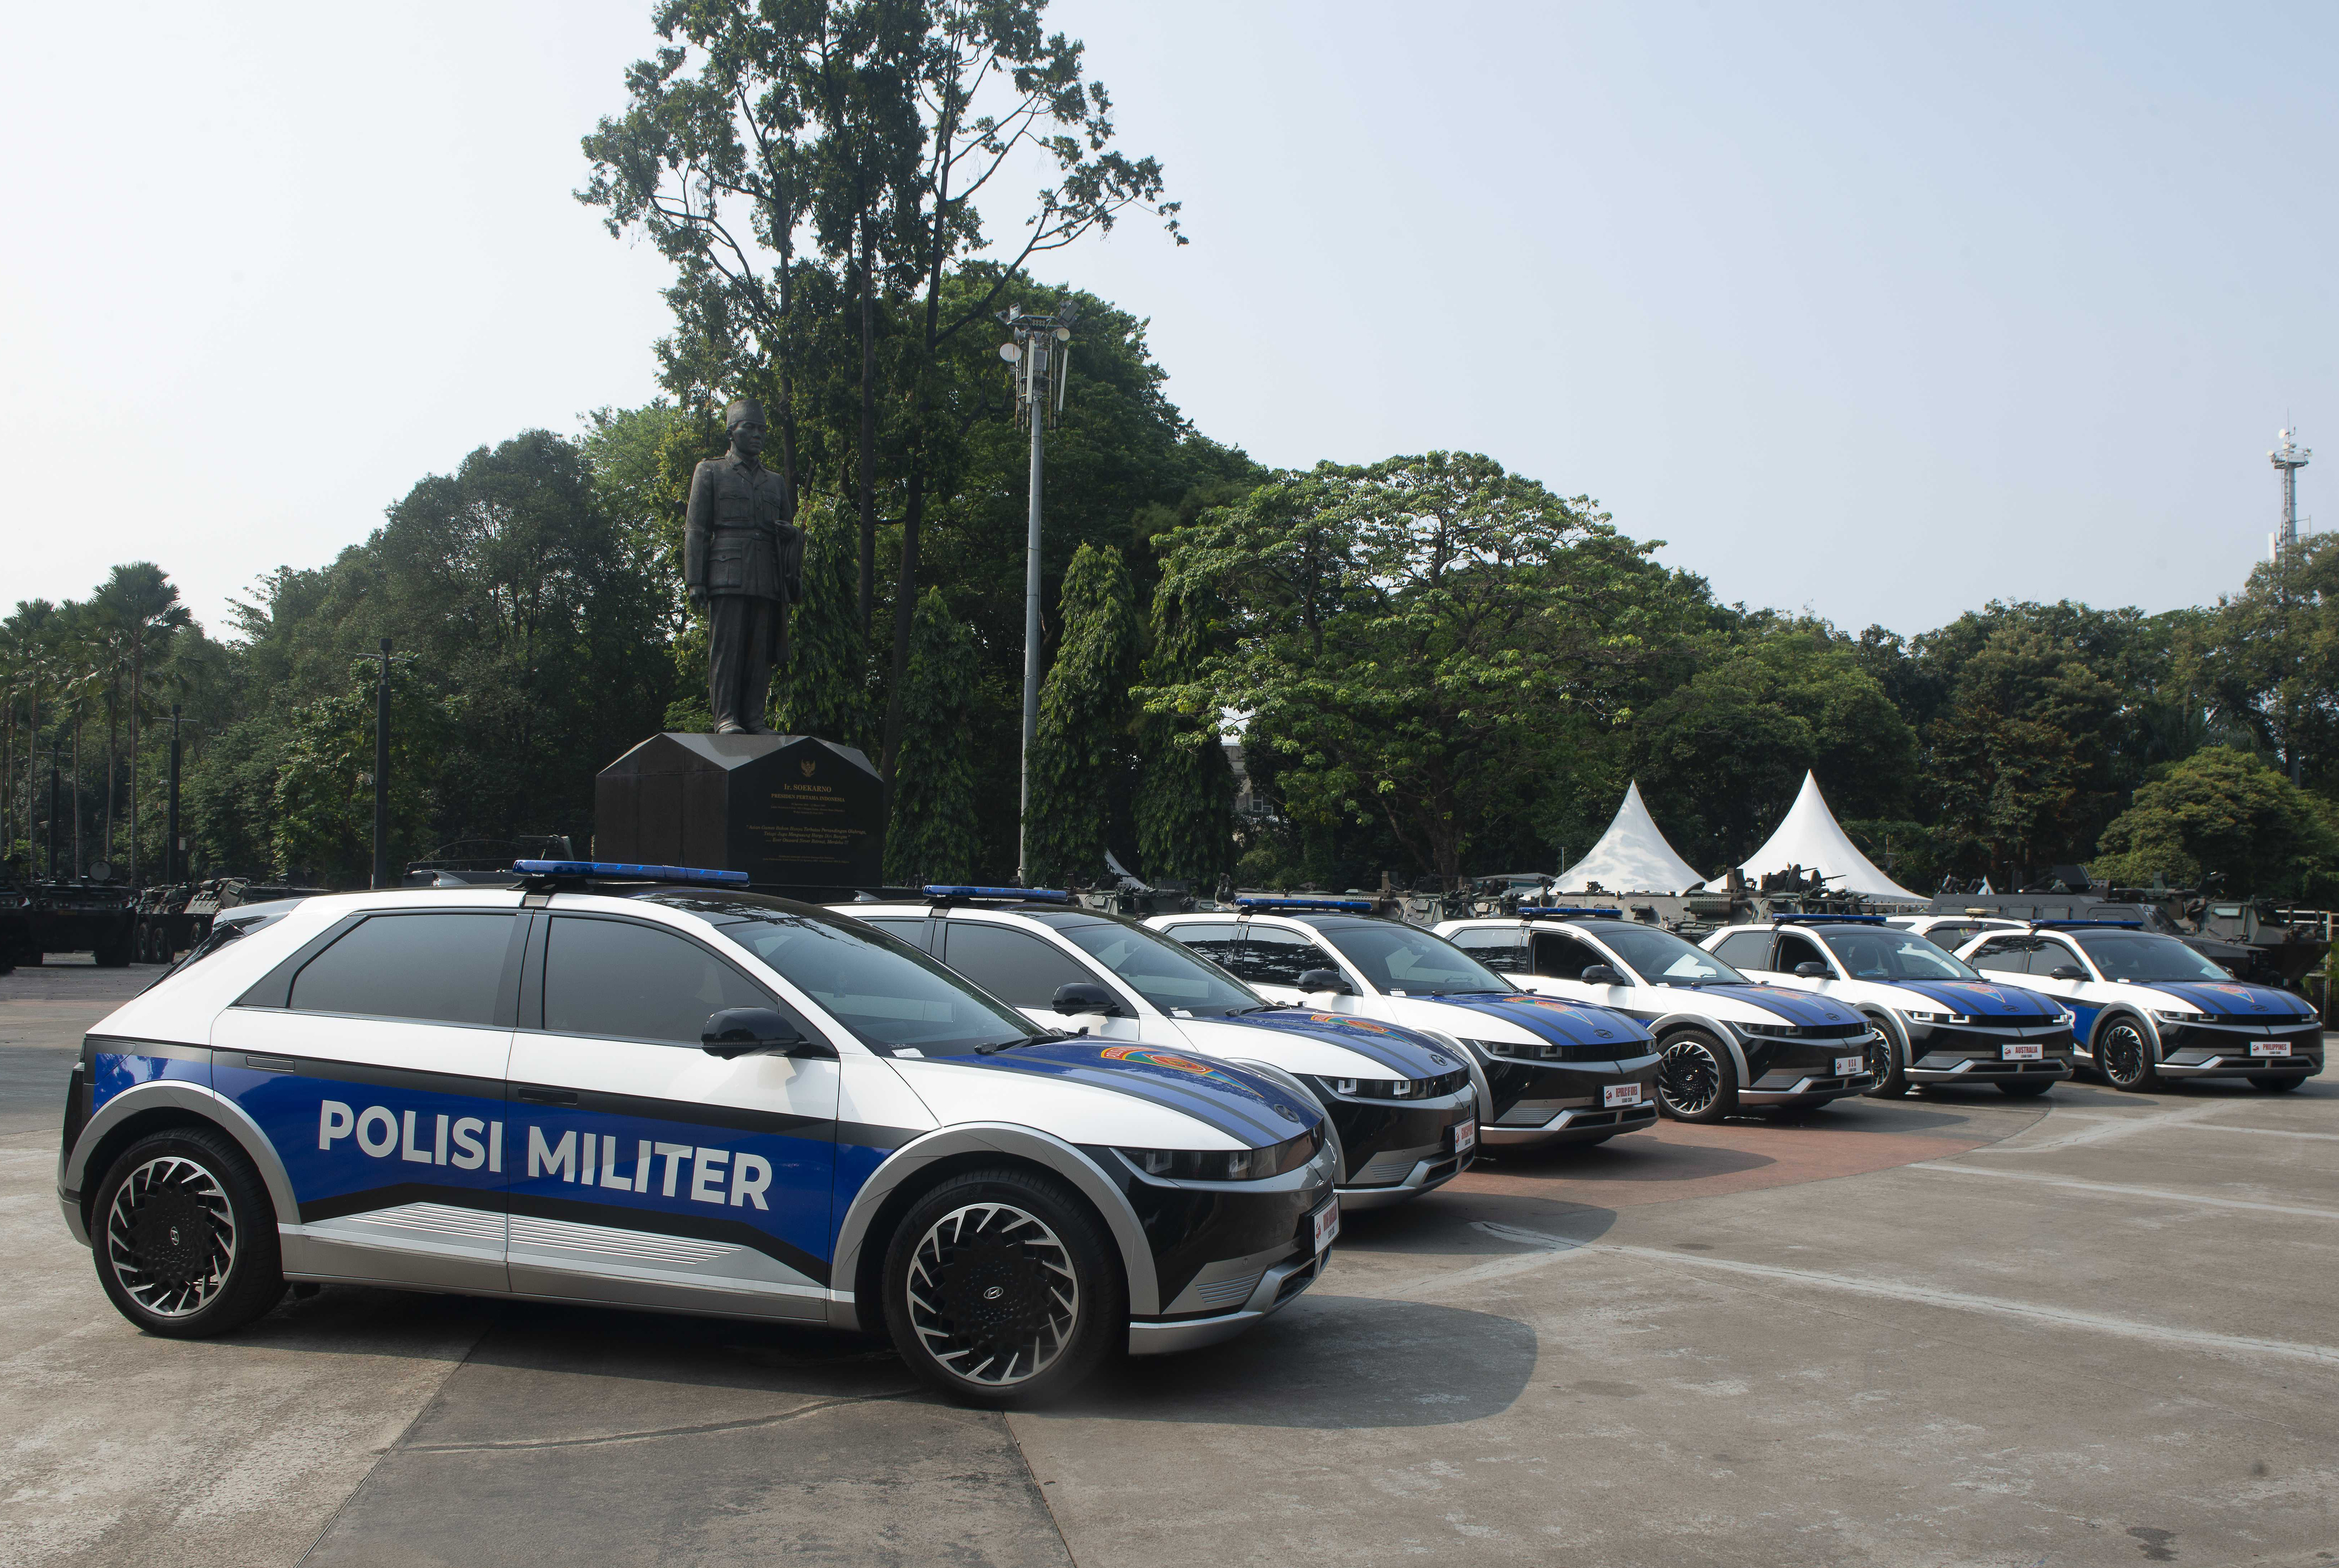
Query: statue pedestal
790, 810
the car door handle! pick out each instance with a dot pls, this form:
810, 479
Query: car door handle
535, 1094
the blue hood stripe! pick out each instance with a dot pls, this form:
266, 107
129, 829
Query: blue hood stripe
1794, 1006
1403, 1053
1561, 1022
2234, 1000
1969, 997
1231, 1101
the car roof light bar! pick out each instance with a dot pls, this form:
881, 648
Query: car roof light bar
617, 870
2085, 924
1358, 906
1000, 894
1569, 912
1827, 920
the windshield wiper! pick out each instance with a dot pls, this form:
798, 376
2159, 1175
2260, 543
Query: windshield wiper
1047, 1037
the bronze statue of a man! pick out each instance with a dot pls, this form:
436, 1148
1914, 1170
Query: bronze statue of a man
743, 561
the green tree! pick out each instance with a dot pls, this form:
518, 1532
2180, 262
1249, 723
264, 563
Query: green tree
141, 600
1414, 641
825, 691
2222, 813
1082, 758
1185, 790
2267, 659
933, 835
320, 822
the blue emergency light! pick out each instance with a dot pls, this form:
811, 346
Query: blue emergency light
1010, 895
1827, 920
619, 872
1569, 912
1356, 905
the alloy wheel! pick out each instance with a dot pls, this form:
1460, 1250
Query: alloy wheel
1689, 1077
171, 1236
2122, 1055
992, 1295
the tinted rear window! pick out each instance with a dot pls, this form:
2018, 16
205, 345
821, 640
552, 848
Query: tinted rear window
431, 968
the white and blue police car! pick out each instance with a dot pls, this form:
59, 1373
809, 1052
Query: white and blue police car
1936, 1021
648, 1087
1402, 1111
1727, 1042
1549, 1072
2149, 1008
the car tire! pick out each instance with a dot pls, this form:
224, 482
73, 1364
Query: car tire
1889, 1053
1004, 1262
184, 1235
2124, 1055
2025, 1090
1696, 1080
2277, 1082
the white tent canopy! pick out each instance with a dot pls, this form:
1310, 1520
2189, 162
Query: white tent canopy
1631, 856
1810, 838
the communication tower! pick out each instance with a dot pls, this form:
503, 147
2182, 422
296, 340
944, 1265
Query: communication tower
2288, 458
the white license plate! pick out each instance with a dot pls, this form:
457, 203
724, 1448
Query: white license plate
1615, 1094
2019, 1053
1327, 1224
1845, 1066
2269, 1047
1465, 1136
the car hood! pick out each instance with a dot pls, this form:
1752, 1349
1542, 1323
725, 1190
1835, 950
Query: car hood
2256, 1003
1254, 1111
1978, 999
1787, 1005
1548, 1018
1394, 1051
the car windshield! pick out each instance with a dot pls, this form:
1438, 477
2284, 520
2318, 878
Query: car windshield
1874, 953
1661, 958
1405, 960
892, 996
1172, 977
2145, 955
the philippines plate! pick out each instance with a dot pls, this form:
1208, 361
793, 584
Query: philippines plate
2015, 1052
2269, 1047
1845, 1066
1465, 1136
1327, 1221
1615, 1094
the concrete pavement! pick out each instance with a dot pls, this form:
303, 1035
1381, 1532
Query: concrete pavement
2095, 1328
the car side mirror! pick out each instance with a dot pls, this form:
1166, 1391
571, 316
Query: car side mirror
1811, 968
1085, 996
2066, 971
1601, 975
1325, 980
738, 1032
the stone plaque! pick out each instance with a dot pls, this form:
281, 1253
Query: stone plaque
790, 810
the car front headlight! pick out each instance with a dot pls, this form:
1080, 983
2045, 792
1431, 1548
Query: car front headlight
2175, 1017
1782, 1029
1918, 1015
1227, 1164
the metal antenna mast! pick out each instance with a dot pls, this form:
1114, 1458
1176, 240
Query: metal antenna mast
1036, 364
2288, 458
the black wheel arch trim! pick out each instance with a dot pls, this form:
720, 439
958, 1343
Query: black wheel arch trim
1672, 1023
855, 1262
182, 1102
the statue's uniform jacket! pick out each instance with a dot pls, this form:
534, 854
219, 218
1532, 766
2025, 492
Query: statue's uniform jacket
732, 540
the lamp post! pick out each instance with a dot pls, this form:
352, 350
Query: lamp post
1036, 364
381, 766
172, 846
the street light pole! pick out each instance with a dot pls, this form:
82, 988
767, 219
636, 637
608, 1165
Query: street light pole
170, 849
1036, 362
381, 772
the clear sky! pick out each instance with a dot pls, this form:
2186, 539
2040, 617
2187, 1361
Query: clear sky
1879, 311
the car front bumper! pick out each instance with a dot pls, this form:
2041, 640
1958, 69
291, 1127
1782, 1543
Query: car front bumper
1576, 1124
1278, 1288
1812, 1089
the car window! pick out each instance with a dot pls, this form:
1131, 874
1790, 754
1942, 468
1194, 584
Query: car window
1014, 966
1563, 956
1499, 947
628, 982
1172, 977
2006, 954
910, 928
429, 968
1661, 958
1744, 950
1405, 958
1875, 953
1952, 937
893, 996
1269, 956
1796, 947
1217, 940
2145, 955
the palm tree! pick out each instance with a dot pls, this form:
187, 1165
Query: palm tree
140, 598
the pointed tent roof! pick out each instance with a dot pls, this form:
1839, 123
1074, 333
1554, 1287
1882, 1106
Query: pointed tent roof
1809, 837
1631, 856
